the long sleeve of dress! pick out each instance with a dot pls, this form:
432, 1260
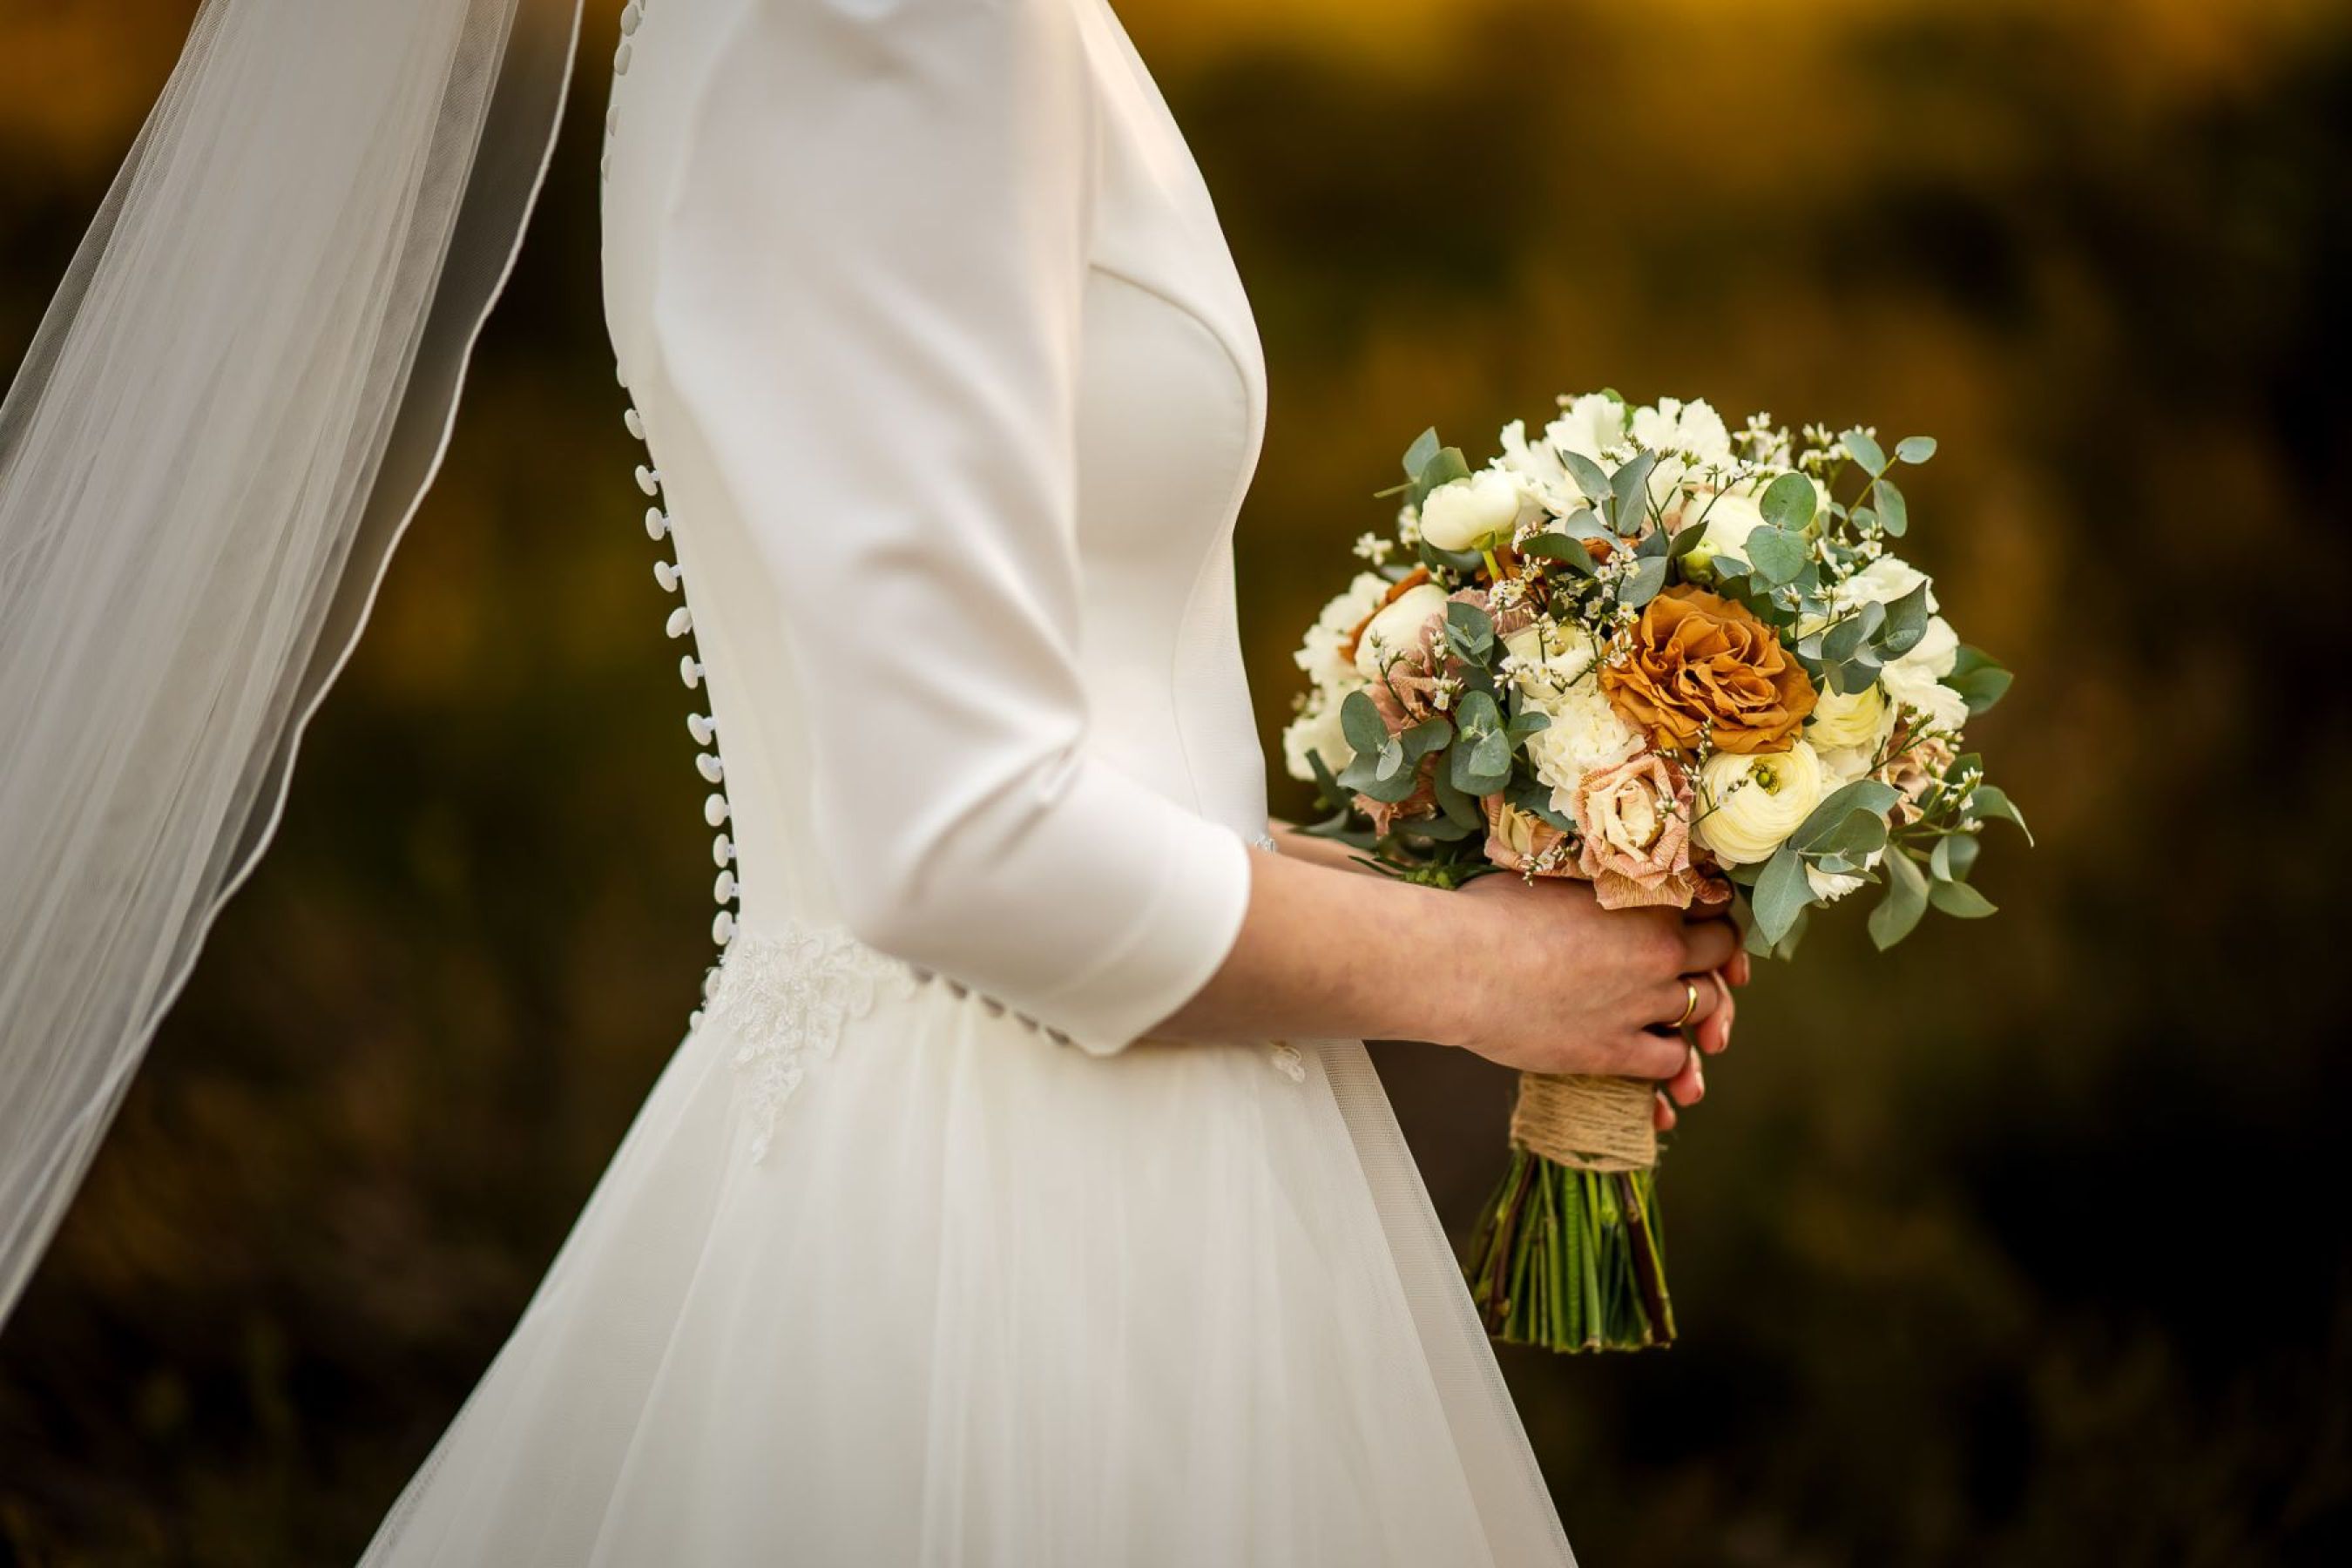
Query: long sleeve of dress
870, 300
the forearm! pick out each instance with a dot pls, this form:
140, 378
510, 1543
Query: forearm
1297, 844
1328, 952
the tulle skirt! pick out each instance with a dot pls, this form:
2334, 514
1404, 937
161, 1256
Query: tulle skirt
881, 1276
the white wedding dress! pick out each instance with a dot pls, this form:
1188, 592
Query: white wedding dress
951, 394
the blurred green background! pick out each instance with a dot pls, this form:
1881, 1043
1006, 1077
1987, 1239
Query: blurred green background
2015, 1247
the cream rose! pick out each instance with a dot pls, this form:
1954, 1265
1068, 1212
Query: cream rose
1392, 630
1474, 513
1841, 720
1749, 802
1915, 680
1731, 519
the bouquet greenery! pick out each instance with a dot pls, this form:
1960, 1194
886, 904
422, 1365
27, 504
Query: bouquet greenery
1686, 665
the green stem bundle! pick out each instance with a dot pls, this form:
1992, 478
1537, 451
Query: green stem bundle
1572, 1259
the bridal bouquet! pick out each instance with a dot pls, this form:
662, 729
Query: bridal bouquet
1685, 665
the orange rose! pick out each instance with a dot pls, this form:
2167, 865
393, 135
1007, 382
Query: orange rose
1699, 660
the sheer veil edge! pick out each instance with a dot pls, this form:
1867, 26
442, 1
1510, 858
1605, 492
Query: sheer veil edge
232, 408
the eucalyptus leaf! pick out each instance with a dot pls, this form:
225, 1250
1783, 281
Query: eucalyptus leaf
1907, 900
1789, 501
1960, 901
1777, 555
1992, 802
1894, 511
1643, 584
1629, 489
1865, 450
1470, 630
1430, 735
1360, 720
1906, 622
1591, 479
1862, 794
1953, 857
1481, 765
1843, 641
1978, 678
1425, 446
1782, 894
1392, 760
1456, 805
1862, 835
1914, 448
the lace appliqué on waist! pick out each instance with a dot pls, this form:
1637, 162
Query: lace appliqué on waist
786, 996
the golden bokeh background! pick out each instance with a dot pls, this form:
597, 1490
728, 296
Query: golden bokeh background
2012, 1247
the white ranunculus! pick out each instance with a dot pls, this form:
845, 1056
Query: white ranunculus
1320, 657
1749, 803
1472, 513
1585, 733
1674, 425
1882, 582
1591, 426
1915, 680
1847, 719
1317, 728
1392, 630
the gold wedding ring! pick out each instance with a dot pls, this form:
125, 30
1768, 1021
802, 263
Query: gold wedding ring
1690, 1002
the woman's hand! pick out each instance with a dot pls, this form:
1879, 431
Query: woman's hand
1557, 984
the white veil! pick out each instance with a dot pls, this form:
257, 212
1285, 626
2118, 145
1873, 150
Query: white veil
243, 387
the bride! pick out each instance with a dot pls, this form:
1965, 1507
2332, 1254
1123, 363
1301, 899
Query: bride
1021, 1193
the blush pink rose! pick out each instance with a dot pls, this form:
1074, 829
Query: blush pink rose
1632, 820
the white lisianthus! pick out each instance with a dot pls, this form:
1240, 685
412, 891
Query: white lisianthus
1915, 680
1750, 803
1585, 733
1882, 582
1849, 719
1317, 728
1393, 629
1593, 427
1538, 468
1474, 513
1694, 428
1320, 657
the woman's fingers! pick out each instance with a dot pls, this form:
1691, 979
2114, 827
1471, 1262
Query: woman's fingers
1740, 969
1644, 1054
1714, 1034
1682, 1003
1689, 1087
1708, 944
1662, 1112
